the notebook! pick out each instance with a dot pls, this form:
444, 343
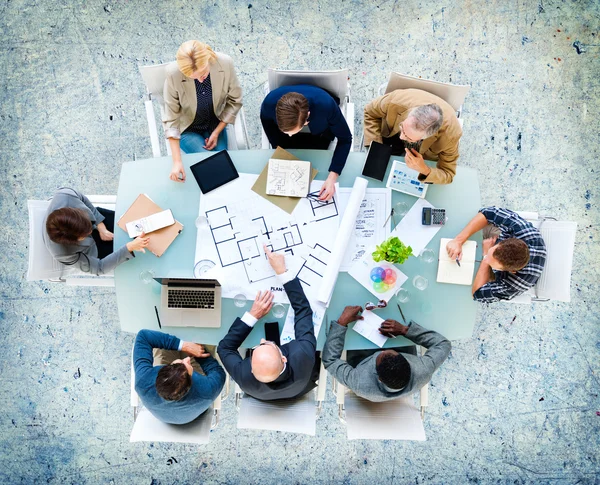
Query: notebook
289, 178
449, 271
160, 240
377, 161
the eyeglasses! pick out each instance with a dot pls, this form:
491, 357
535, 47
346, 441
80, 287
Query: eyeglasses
273, 344
402, 132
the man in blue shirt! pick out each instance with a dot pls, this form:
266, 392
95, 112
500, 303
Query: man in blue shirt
304, 116
179, 392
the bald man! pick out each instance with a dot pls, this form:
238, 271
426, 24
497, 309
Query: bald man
272, 372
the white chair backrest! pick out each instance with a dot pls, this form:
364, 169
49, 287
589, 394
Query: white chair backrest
398, 419
42, 265
149, 428
292, 416
555, 282
154, 78
453, 94
335, 82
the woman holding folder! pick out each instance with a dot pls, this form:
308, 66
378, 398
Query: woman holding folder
202, 95
77, 233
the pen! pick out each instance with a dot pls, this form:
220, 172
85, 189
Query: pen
403, 319
458, 262
157, 317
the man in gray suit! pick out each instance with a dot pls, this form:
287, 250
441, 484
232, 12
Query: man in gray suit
386, 374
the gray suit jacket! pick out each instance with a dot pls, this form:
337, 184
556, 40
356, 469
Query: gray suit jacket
363, 379
84, 253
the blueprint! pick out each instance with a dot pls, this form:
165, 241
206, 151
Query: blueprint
372, 225
288, 177
240, 222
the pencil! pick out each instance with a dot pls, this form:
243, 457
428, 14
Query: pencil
403, 319
157, 317
458, 262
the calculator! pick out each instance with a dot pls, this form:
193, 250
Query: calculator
433, 216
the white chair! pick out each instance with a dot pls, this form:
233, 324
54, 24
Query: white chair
148, 428
453, 94
42, 266
555, 282
398, 419
289, 415
334, 82
154, 78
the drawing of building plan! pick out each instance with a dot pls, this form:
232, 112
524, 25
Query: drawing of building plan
371, 226
288, 177
240, 222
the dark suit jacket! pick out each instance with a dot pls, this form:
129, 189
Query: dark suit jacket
325, 114
301, 371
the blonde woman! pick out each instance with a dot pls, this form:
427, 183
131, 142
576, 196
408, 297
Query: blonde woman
202, 95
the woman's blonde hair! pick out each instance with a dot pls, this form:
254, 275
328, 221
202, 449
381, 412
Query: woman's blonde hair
193, 55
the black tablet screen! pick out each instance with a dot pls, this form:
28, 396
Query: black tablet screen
214, 171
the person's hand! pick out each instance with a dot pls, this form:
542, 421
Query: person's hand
176, 171
454, 249
139, 243
195, 350
211, 142
415, 161
392, 328
488, 243
262, 304
328, 189
276, 260
105, 234
349, 315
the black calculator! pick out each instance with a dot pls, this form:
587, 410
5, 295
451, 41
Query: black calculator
433, 217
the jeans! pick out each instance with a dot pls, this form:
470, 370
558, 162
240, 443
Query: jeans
194, 142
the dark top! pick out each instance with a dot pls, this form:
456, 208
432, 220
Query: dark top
205, 119
300, 354
508, 285
325, 114
203, 392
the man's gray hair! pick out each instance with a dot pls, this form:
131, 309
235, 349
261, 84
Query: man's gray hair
427, 119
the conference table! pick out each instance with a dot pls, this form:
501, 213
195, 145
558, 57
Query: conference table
446, 308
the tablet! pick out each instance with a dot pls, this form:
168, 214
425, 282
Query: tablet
214, 171
377, 161
404, 179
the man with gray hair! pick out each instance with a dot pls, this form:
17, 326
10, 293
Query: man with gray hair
417, 125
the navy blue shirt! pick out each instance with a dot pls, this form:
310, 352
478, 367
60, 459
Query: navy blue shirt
324, 114
205, 119
203, 392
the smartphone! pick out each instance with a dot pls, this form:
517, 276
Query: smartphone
272, 332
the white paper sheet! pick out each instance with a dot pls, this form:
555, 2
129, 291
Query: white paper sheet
361, 272
370, 224
292, 416
410, 230
398, 419
288, 334
346, 227
369, 328
288, 178
239, 222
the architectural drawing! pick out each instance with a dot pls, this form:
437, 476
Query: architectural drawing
288, 177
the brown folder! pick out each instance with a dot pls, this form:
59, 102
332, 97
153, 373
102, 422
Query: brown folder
160, 240
288, 204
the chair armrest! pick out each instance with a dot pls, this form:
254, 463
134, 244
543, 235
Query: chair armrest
322, 387
350, 120
154, 140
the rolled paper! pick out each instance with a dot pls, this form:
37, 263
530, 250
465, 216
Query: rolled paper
346, 227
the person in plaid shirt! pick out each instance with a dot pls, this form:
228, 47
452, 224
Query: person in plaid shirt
513, 258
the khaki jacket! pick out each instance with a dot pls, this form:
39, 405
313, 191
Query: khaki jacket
180, 96
383, 116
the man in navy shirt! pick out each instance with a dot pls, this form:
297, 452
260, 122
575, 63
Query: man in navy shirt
304, 116
182, 390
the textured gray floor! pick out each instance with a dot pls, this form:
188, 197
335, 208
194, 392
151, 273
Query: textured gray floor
517, 403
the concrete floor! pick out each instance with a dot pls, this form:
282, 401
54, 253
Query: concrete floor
516, 403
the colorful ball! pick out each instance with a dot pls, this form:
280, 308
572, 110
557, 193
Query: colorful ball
380, 287
377, 274
390, 276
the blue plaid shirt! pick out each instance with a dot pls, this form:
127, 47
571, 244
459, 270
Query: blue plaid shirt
508, 285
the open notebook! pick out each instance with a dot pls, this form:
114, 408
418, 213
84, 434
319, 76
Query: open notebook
449, 271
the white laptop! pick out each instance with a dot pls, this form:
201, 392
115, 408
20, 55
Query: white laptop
190, 302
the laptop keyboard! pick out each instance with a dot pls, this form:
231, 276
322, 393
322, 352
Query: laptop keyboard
191, 299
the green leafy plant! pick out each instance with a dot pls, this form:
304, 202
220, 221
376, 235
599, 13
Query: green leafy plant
392, 250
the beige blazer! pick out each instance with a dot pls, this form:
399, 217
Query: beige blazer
383, 116
180, 96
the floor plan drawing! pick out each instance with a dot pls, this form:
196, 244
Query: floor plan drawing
237, 232
288, 177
